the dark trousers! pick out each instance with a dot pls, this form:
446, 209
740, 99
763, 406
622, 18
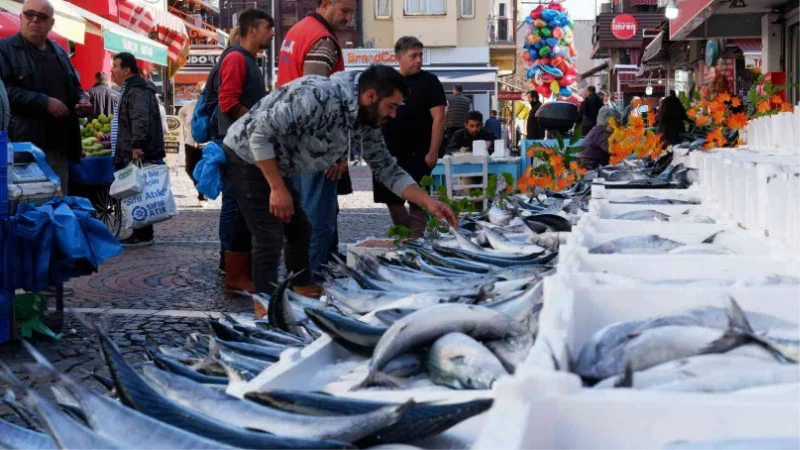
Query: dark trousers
269, 235
448, 134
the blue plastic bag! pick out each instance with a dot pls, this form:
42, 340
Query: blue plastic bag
208, 172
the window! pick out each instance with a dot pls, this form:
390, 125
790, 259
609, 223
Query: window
467, 8
383, 9
425, 7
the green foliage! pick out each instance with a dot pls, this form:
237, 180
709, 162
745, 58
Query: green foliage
399, 232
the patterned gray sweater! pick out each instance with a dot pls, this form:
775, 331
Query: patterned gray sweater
308, 125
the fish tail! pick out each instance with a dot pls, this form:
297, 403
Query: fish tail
626, 381
210, 358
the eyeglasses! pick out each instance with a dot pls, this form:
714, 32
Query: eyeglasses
31, 15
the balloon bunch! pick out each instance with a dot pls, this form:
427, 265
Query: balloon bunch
549, 50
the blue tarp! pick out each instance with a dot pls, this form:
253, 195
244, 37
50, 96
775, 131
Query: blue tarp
94, 170
208, 172
49, 244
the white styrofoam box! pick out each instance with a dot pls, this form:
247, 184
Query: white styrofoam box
676, 267
736, 240
590, 224
602, 209
575, 308
355, 250
623, 419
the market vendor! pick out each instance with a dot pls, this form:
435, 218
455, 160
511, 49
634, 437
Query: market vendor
461, 141
595, 144
304, 127
44, 92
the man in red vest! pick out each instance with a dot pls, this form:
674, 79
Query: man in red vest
311, 48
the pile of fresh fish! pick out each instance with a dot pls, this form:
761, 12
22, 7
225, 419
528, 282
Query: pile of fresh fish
647, 175
709, 349
655, 244
656, 216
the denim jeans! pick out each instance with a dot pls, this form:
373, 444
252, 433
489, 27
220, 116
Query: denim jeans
318, 198
226, 217
269, 235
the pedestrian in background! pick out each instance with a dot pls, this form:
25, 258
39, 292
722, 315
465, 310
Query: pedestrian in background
43, 90
595, 144
103, 98
458, 105
414, 137
192, 150
461, 142
671, 120
534, 130
238, 85
493, 125
311, 48
137, 132
587, 113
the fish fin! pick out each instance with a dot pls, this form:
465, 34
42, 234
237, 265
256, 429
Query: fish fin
737, 318
210, 358
378, 379
710, 239
233, 376
626, 381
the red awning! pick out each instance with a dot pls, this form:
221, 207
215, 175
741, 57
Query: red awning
143, 19
692, 14
9, 26
748, 46
644, 2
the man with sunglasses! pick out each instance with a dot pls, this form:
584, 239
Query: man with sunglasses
43, 90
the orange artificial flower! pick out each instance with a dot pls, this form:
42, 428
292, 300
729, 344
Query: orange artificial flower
737, 121
702, 121
556, 161
723, 97
582, 171
530, 153
573, 165
786, 107
735, 102
715, 139
718, 115
636, 122
570, 178
762, 106
509, 189
548, 151
692, 113
705, 92
559, 170
776, 99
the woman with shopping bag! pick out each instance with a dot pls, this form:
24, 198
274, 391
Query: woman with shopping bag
137, 136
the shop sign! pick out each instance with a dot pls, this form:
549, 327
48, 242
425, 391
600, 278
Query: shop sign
509, 95
367, 56
140, 48
712, 52
753, 62
624, 27
173, 136
198, 61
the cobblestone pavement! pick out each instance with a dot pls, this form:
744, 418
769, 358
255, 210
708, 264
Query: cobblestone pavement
162, 293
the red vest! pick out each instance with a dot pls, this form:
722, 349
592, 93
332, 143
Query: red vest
295, 47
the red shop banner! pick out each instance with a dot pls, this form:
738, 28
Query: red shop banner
728, 69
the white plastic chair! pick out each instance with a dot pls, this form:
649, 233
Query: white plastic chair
451, 160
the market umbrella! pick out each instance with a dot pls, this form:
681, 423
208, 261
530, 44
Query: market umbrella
9, 26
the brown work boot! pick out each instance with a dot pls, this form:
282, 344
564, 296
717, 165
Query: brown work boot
312, 291
238, 267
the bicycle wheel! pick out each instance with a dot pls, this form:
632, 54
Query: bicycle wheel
109, 209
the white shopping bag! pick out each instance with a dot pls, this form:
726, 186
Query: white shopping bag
155, 203
127, 181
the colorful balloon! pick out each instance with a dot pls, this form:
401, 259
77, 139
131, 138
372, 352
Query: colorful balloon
555, 87
544, 90
565, 91
553, 71
550, 50
556, 60
537, 12
526, 56
547, 78
558, 33
555, 6
552, 42
544, 51
539, 23
546, 32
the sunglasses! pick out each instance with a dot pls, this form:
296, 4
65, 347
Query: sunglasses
31, 15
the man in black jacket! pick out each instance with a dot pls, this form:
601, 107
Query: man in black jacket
103, 98
461, 141
589, 109
136, 131
43, 90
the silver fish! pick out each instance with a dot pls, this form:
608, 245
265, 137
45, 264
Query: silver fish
511, 351
550, 240
460, 362
642, 214
246, 414
693, 219
362, 301
423, 327
636, 245
499, 216
14, 437
501, 243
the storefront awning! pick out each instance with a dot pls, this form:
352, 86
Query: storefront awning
655, 50
118, 39
748, 46
142, 19
68, 23
692, 14
483, 79
594, 71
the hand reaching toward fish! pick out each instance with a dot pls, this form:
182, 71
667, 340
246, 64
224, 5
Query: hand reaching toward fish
442, 212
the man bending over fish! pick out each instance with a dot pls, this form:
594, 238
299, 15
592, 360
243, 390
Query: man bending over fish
305, 127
